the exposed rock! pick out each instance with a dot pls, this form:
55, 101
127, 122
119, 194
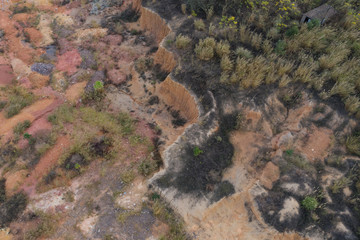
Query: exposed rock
282, 139
270, 174
45, 29
58, 81
81, 75
19, 67
42, 68
290, 210
298, 189
50, 53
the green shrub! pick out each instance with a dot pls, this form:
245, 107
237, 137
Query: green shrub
292, 31
280, 47
21, 127
197, 151
199, 25
310, 203
356, 48
182, 41
313, 23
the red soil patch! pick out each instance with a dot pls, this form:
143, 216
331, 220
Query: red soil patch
22, 18
46, 163
30, 113
15, 46
14, 180
316, 144
116, 76
69, 61
34, 35
6, 75
39, 109
74, 92
144, 130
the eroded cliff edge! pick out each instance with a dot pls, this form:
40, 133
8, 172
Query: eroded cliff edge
240, 169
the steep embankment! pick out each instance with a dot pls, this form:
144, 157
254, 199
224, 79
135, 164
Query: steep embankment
247, 156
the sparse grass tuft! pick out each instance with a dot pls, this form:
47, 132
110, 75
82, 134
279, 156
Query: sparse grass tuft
128, 176
199, 25
19, 98
20, 128
182, 41
125, 214
205, 49
45, 227
353, 144
222, 48
352, 104
226, 64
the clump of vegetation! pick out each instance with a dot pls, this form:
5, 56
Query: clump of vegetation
199, 25
353, 144
197, 151
45, 227
222, 48
310, 203
205, 49
182, 41
340, 184
162, 211
128, 176
125, 214
12, 208
97, 94
18, 98
20, 128
147, 167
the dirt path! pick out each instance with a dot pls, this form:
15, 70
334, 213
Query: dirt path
48, 161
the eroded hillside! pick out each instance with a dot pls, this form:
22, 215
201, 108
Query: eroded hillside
178, 120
